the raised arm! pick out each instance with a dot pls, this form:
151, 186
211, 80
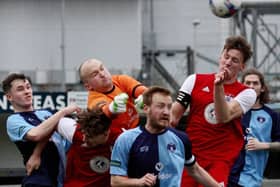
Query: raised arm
201, 176
43, 130
228, 110
225, 111
177, 112
183, 100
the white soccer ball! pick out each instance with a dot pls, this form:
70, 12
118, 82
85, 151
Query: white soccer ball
224, 8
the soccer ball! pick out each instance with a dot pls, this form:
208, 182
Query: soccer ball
224, 8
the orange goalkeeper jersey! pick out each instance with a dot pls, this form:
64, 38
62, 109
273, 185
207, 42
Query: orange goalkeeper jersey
122, 121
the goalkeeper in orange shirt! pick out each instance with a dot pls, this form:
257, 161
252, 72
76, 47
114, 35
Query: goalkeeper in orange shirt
120, 96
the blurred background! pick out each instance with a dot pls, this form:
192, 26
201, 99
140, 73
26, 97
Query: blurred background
48, 39
156, 41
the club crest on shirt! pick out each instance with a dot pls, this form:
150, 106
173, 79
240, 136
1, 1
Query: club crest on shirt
209, 114
159, 166
171, 147
260, 119
99, 164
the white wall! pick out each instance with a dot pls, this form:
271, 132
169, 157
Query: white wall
173, 29
30, 34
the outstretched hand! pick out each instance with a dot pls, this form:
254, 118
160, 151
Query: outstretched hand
138, 103
71, 109
221, 76
118, 105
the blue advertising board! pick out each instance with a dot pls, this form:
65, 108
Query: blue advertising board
48, 100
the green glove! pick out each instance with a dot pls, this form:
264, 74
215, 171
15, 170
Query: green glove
138, 103
118, 105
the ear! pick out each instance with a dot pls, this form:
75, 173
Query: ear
106, 133
9, 97
145, 108
88, 87
242, 67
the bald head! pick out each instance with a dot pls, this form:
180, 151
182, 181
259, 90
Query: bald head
95, 76
84, 69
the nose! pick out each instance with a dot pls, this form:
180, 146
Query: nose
228, 62
27, 90
166, 110
101, 73
250, 85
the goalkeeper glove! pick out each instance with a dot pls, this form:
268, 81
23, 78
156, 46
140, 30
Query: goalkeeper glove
118, 105
138, 103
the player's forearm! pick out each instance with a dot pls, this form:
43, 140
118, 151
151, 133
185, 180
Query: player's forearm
40, 147
177, 112
43, 130
274, 146
34, 160
119, 181
221, 108
200, 175
47, 127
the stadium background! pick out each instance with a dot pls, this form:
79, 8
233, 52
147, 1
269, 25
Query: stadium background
47, 40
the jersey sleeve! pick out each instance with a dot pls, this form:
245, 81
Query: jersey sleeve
120, 154
184, 94
275, 133
130, 85
246, 99
17, 127
188, 84
189, 157
66, 128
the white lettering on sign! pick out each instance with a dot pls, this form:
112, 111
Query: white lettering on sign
4, 103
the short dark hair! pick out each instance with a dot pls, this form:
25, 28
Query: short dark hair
148, 94
93, 122
7, 82
264, 96
241, 44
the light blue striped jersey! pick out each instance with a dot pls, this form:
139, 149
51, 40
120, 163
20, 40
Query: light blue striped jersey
18, 124
263, 124
137, 152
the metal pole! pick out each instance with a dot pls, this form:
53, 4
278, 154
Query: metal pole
259, 3
254, 36
196, 23
62, 46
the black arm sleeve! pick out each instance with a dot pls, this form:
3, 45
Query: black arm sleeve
183, 98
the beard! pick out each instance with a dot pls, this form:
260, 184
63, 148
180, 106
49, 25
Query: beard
158, 125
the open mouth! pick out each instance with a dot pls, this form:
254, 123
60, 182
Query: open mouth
164, 119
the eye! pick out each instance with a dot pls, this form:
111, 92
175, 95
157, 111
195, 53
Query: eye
94, 74
235, 60
20, 88
28, 86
